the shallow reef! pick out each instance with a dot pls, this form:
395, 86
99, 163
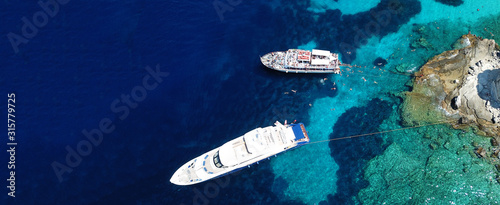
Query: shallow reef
438, 163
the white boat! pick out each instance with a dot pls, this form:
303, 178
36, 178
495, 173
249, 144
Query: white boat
303, 61
252, 147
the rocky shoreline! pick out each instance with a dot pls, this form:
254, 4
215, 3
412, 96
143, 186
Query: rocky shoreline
434, 164
461, 86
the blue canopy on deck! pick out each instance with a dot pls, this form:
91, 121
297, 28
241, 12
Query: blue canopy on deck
298, 131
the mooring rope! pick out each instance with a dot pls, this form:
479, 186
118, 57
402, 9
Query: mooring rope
381, 132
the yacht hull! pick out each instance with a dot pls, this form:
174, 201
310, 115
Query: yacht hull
239, 153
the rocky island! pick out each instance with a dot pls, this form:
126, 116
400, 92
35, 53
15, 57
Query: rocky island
461, 86
433, 164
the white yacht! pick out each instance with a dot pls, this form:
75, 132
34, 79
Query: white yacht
303, 61
241, 152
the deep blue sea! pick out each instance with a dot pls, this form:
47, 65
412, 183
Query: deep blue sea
111, 97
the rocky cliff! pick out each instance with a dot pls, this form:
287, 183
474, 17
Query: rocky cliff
461, 86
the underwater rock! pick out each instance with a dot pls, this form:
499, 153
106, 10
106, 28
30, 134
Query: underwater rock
480, 152
433, 146
380, 62
402, 68
391, 172
451, 2
400, 176
459, 85
420, 43
422, 30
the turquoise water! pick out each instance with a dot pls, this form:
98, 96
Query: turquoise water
408, 171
